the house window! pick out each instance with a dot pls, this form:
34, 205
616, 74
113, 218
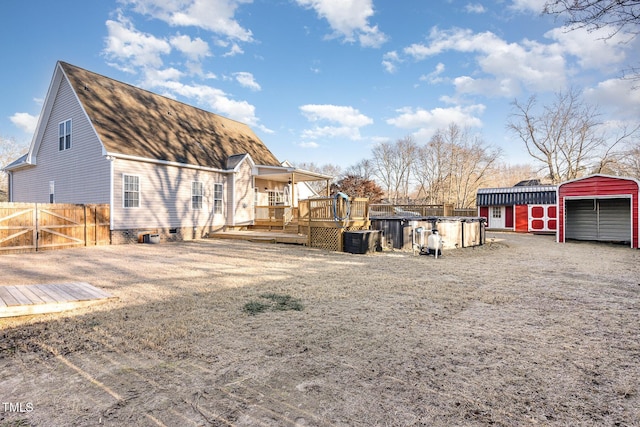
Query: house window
276, 198
52, 191
197, 195
131, 193
217, 198
496, 212
64, 135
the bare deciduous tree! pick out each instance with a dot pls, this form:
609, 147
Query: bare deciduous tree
452, 166
363, 169
431, 168
566, 136
470, 162
392, 165
617, 16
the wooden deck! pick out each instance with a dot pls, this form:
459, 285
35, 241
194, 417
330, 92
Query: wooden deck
262, 236
24, 300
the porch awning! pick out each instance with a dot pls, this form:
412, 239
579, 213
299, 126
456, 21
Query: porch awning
284, 174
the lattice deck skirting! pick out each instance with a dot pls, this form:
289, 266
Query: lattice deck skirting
24, 300
329, 238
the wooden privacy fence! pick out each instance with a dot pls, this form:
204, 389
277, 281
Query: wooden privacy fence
29, 227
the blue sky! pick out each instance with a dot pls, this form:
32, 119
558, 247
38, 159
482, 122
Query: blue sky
320, 80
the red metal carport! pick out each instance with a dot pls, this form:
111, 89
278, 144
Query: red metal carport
600, 208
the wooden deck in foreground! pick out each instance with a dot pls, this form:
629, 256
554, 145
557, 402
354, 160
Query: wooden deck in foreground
262, 236
24, 300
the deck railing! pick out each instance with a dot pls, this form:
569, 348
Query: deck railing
386, 210
270, 215
329, 209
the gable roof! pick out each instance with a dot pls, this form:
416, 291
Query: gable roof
138, 123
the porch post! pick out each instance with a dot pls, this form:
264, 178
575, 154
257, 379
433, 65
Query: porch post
293, 189
328, 188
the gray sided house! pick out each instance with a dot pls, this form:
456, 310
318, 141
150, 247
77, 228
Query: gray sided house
163, 166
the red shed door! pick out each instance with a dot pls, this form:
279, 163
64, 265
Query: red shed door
508, 217
542, 218
522, 218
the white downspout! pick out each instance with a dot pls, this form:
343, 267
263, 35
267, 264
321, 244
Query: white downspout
111, 160
232, 197
9, 186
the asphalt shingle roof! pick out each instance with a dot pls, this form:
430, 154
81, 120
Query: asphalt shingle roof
136, 122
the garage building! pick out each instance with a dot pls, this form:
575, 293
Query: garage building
599, 208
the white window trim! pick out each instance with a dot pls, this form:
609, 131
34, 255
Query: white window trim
64, 123
195, 195
139, 191
221, 199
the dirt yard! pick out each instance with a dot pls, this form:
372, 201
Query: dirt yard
521, 331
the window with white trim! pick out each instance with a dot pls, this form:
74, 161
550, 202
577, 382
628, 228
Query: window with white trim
64, 135
217, 198
276, 198
131, 191
197, 194
496, 212
52, 191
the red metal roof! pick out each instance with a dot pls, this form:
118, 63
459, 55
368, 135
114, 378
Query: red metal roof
595, 186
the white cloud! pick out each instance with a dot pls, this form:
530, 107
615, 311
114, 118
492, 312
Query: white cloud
344, 115
194, 49
345, 122
434, 76
217, 16
590, 47
389, 61
25, 121
132, 48
618, 96
507, 66
426, 122
352, 133
475, 8
309, 145
153, 77
235, 50
247, 80
535, 6
348, 19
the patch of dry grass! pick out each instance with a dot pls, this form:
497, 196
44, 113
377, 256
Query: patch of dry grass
523, 331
